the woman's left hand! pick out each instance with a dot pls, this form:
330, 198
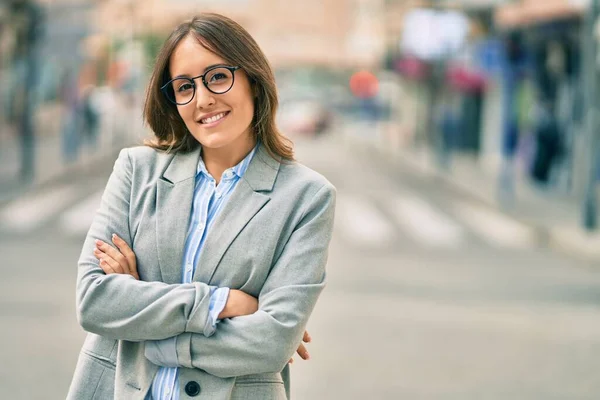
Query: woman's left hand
302, 352
116, 261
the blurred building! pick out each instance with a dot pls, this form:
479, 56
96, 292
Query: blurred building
335, 33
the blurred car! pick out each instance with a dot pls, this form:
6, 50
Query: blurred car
304, 117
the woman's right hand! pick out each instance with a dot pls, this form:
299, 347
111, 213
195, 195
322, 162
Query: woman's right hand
116, 261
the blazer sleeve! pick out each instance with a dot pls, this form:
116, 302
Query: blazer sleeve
118, 306
265, 341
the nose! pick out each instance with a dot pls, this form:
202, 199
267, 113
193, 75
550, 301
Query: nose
204, 97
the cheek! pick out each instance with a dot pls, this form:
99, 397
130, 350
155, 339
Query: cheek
186, 113
248, 109
244, 102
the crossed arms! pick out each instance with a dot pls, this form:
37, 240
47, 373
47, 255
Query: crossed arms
119, 306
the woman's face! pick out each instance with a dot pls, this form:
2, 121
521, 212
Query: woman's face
234, 108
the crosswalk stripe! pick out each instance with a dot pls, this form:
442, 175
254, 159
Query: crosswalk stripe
28, 213
424, 223
77, 220
360, 222
358, 219
495, 228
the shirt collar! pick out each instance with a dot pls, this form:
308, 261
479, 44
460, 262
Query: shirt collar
238, 169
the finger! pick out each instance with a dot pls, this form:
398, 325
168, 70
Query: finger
114, 254
98, 254
106, 268
291, 361
127, 252
302, 352
118, 268
306, 338
112, 264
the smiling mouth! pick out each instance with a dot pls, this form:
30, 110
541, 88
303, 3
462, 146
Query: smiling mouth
214, 118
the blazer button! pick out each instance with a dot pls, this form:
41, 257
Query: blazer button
192, 388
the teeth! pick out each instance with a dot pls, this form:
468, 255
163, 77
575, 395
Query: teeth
213, 118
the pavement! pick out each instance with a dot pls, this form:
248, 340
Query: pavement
554, 217
431, 294
120, 125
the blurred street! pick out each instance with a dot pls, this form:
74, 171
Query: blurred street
431, 294
464, 141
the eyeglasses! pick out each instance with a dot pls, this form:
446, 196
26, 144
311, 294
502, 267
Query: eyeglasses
217, 80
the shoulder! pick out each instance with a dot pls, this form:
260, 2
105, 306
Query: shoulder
298, 177
143, 154
144, 158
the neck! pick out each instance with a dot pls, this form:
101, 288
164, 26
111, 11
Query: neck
218, 160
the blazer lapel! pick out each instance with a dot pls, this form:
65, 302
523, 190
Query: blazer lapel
175, 191
245, 201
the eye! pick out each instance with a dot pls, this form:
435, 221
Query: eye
184, 87
218, 76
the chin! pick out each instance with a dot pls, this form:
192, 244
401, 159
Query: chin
213, 140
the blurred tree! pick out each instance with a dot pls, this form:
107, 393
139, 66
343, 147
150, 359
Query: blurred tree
25, 22
152, 44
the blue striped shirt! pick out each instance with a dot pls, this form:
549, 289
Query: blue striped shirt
208, 200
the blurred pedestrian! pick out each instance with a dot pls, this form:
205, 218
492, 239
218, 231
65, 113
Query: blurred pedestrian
27, 21
514, 70
90, 117
447, 121
69, 98
548, 148
195, 227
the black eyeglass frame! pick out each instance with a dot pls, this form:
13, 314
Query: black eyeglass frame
165, 87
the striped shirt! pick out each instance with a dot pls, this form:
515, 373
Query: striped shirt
208, 200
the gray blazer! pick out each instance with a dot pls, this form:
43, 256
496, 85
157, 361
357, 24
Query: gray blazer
270, 240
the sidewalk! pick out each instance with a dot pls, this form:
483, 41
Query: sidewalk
555, 218
119, 127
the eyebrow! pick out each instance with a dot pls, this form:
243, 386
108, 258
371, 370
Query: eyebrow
205, 69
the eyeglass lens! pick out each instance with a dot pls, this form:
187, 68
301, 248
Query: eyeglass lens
218, 80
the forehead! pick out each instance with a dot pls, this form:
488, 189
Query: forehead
191, 58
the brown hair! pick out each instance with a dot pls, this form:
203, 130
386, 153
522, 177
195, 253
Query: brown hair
230, 41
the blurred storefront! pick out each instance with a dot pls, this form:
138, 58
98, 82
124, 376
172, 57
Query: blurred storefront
500, 82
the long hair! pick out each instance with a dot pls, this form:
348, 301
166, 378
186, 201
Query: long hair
227, 39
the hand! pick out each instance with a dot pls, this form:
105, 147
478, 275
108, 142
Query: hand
113, 261
238, 304
302, 352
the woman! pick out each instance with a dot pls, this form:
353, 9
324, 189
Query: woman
208, 253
